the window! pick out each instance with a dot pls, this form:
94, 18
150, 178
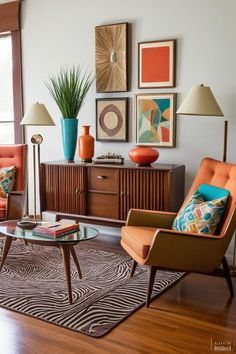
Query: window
11, 109
6, 92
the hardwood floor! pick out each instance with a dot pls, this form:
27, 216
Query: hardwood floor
189, 318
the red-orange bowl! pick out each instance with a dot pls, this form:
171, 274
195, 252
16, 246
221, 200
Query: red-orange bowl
143, 155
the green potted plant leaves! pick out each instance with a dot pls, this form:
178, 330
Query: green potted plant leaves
69, 89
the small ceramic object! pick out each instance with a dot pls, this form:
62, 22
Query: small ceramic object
143, 156
86, 145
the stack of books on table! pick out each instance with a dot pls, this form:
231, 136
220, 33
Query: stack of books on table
55, 229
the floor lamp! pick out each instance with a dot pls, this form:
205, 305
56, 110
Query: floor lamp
200, 101
37, 115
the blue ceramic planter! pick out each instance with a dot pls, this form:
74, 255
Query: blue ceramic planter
69, 129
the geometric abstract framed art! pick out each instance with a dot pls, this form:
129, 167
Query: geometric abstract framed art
156, 64
155, 119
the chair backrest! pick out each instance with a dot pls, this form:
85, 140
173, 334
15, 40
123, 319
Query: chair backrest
220, 174
15, 155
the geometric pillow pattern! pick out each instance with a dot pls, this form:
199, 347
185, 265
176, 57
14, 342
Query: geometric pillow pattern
200, 216
7, 180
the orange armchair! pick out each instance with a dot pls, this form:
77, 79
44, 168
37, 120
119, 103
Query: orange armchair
149, 239
12, 207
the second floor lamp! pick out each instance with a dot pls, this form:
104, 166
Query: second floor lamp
200, 101
37, 115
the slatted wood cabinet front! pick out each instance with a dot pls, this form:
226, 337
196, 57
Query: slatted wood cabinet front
105, 193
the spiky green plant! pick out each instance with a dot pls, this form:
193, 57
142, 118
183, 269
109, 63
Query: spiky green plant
69, 89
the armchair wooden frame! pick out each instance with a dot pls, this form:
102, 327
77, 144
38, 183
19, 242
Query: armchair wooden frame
183, 251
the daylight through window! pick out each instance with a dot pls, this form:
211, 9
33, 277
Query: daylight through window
6, 91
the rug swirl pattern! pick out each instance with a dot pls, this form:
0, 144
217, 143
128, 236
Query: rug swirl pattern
32, 283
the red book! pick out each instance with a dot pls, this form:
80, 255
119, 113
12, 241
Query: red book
54, 229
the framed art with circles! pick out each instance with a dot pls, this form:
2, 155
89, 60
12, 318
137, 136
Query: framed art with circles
112, 119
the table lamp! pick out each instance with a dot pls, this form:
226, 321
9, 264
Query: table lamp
37, 115
200, 101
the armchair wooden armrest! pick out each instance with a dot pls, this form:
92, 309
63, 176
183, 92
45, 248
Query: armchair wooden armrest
186, 251
150, 218
15, 205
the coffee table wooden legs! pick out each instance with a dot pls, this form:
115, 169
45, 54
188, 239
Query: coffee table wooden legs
6, 247
68, 250
65, 249
76, 261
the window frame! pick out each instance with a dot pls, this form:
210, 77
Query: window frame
10, 26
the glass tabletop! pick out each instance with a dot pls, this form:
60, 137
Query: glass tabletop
10, 228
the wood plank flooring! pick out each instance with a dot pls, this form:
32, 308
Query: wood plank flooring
189, 318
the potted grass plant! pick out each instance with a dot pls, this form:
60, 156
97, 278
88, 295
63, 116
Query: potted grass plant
69, 89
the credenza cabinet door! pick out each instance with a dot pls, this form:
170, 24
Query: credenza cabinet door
64, 189
143, 189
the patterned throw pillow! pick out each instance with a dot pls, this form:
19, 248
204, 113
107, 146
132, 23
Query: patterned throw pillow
199, 216
7, 180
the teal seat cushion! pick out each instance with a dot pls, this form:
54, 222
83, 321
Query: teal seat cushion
202, 211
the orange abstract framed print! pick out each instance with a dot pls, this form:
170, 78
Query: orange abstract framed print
156, 67
155, 119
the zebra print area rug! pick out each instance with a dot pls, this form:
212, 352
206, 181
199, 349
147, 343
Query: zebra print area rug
32, 283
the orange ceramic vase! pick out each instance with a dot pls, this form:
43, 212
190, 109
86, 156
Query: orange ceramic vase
143, 156
86, 145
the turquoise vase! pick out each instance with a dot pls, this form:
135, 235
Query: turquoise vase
69, 129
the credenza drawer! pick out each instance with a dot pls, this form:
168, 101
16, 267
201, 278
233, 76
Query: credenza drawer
103, 205
103, 179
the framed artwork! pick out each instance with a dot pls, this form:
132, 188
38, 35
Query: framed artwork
112, 119
155, 119
156, 64
111, 42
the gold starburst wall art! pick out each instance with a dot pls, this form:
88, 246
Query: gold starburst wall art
112, 57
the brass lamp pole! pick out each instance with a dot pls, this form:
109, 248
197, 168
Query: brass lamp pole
37, 115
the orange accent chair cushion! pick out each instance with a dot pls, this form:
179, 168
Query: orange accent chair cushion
138, 238
7, 180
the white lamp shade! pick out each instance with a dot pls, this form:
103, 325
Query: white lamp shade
200, 101
37, 115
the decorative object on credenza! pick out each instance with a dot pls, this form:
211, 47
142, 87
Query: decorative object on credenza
69, 88
111, 43
109, 158
37, 115
112, 119
156, 64
155, 119
86, 145
143, 155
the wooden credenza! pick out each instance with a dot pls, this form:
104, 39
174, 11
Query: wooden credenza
103, 194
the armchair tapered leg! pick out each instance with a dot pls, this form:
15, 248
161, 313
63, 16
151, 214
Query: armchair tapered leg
152, 273
134, 265
228, 276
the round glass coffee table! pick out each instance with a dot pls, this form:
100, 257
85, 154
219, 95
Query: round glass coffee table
66, 243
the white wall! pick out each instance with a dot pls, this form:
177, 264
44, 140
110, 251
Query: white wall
58, 33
